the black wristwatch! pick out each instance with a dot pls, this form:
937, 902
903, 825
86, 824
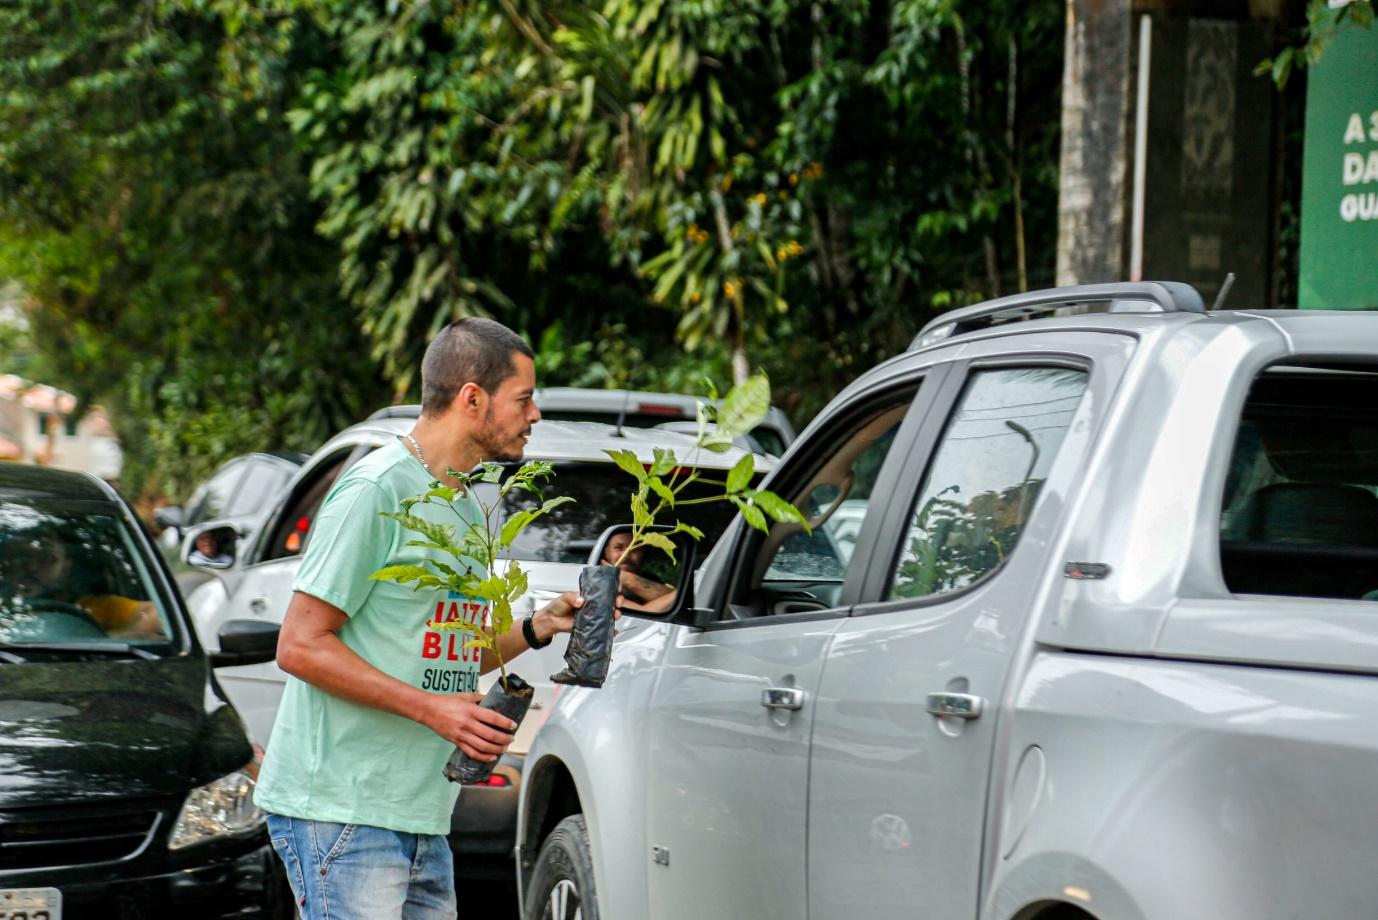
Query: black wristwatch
529, 634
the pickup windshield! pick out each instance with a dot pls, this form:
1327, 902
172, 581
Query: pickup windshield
71, 576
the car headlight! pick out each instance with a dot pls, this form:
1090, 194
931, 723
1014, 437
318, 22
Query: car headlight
217, 809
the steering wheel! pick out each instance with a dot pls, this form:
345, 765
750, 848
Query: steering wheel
65, 619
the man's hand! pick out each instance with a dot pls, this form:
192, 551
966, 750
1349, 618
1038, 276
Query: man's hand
481, 733
557, 616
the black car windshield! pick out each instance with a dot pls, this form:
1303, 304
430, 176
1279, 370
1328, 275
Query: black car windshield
71, 575
601, 493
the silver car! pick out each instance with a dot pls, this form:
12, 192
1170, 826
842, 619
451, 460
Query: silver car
1098, 638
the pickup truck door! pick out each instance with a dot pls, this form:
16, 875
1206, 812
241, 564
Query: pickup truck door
730, 718
906, 709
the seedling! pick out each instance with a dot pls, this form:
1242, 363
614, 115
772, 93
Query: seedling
475, 547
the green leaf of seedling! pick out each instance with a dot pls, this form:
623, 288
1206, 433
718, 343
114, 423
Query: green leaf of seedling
716, 440
778, 508
491, 588
739, 477
551, 504
627, 460
400, 573
477, 643
492, 472
515, 524
430, 581
641, 512
444, 493
457, 626
690, 529
745, 406
661, 489
711, 388
753, 515
501, 615
516, 581
660, 541
665, 461
436, 533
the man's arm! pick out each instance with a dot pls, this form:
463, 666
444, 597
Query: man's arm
310, 648
555, 617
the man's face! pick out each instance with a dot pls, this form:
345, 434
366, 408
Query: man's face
510, 414
616, 545
35, 564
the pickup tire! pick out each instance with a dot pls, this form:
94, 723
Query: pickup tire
562, 884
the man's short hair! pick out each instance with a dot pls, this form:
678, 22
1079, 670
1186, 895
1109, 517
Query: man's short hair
470, 350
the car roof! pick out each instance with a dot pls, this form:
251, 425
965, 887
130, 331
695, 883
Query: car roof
561, 441
20, 481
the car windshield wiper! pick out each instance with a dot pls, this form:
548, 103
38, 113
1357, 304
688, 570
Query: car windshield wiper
119, 649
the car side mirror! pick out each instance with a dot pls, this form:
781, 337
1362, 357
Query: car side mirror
653, 584
246, 642
211, 546
169, 516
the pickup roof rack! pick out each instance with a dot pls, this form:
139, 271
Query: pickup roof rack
1120, 297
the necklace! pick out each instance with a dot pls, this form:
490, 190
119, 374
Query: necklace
419, 456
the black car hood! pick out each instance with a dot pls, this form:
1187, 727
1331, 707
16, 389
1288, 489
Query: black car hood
80, 731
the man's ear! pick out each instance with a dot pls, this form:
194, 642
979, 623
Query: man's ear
470, 399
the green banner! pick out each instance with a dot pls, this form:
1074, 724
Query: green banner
1339, 192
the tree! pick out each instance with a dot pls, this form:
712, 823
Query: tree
154, 208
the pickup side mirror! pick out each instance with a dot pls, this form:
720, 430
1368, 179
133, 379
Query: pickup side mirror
246, 642
210, 546
653, 584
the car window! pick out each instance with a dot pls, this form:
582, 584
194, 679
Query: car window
293, 527
212, 500
70, 573
793, 570
260, 486
769, 438
983, 482
1299, 514
600, 492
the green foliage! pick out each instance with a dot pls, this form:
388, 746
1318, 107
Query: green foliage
154, 207
242, 222
476, 547
742, 409
1322, 25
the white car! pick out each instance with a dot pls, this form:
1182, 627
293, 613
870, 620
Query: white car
552, 550
646, 409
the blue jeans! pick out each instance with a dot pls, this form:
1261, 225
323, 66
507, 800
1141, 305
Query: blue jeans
357, 872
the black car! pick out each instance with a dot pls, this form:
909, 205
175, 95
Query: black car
126, 778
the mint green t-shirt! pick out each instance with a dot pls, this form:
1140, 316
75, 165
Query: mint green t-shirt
337, 761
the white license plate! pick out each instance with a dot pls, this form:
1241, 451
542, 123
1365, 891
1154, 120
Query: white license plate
30, 904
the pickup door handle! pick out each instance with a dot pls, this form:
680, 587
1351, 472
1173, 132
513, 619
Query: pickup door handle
956, 705
782, 698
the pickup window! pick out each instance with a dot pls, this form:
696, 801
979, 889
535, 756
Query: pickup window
985, 476
1300, 508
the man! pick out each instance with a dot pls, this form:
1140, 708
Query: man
358, 806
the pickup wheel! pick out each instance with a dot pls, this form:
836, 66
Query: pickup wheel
562, 885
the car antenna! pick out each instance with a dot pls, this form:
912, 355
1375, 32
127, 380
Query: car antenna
622, 415
1224, 291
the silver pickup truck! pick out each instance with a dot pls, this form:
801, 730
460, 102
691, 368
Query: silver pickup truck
1101, 641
